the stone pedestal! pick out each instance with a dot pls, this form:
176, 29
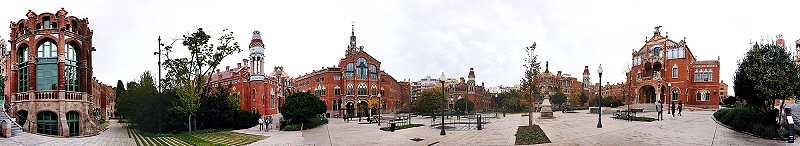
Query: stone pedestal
547, 110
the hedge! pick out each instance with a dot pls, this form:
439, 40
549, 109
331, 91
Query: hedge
310, 123
750, 121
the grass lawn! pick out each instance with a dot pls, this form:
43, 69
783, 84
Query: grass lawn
528, 135
230, 138
142, 140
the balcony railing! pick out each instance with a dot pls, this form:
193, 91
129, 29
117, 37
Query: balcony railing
50, 96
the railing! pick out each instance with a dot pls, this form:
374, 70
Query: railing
40, 95
73, 96
30, 123
22, 96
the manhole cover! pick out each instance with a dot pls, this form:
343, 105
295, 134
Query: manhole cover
417, 139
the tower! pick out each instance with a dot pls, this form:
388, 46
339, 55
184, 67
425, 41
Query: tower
256, 57
586, 76
471, 77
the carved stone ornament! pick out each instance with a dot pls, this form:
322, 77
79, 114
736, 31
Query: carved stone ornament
61, 57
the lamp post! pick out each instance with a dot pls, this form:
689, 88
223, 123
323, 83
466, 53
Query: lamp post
599, 102
441, 79
669, 86
380, 104
159, 81
630, 86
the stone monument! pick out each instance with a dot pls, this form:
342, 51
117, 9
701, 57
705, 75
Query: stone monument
547, 111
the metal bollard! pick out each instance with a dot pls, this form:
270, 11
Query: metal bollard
790, 124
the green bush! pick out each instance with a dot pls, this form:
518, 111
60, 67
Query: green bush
310, 123
749, 120
528, 135
402, 127
730, 100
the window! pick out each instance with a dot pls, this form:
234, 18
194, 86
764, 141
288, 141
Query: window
333, 105
375, 90
362, 89
46, 23
323, 91
674, 71
47, 67
336, 78
71, 68
73, 123
382, 91
22, 71
361, 68
47, 123
657, 51
337, 90
349, 89
349, 71
639, 74
674, 94
699, 96
272, 101
703, 75
373, 72
707, 97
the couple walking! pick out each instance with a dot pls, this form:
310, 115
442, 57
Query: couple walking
264, 124
660, 110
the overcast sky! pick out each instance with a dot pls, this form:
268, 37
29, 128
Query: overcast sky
414, 39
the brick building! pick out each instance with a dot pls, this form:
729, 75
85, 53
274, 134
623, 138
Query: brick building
478, 94
666, 70
551, 84
358, 79
104, 100
50, 79
258, 92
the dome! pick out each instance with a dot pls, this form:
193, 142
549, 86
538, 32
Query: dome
256, 46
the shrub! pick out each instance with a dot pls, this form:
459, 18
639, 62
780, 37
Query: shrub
293, 127
402, 127
527, 135
310, 123
730, 100
646, 119
749, 120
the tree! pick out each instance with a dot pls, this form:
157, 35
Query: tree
558, 99
463, 103
584, 99
430, 100
730, 100
301, 106
508, 99
766, 73
513, 103
187, 75
575, 99
529, 89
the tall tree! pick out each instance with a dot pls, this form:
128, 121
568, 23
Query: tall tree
584, 98
430, 100
508, 99
187, 75
528, 83
766, 73
558, 99
300, 106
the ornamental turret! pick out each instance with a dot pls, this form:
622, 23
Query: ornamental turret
256, 57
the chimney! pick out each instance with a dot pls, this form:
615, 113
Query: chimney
227, 68
239, 65
559, 73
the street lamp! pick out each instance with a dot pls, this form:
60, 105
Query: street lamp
441, 79
380, 104
599, 105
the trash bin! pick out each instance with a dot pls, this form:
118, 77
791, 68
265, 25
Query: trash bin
391, 125
328, 115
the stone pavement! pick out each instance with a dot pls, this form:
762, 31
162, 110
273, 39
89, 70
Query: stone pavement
693, 128
115, 135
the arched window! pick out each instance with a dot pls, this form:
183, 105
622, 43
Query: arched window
337, 91
71, 68
323, 91
74, 27
674, 71
699, 96
362, 89
46, 66
22, 69
46, 22
657, 51
349, 89
361, 68
373, 71
674, 94
707, 97
47, 123
349, 71
272, 98
374, 90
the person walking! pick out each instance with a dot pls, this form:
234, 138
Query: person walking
660, 110
672, 108
680, 107
260, 124
268, 122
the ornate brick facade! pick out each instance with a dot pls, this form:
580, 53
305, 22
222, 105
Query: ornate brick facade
478, 94
50, 81
666, 70
356, 80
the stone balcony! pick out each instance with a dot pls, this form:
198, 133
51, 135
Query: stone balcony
52, 95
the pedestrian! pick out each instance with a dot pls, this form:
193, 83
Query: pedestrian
680, 107
672, 108
269, 121
344, 119
261, 122
668, 107
660, 110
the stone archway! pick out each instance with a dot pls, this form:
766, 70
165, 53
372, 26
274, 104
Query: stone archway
350, 108
22, 117
647, 94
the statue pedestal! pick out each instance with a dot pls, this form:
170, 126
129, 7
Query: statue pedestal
547, 111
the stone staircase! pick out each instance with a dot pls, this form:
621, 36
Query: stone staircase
16, 130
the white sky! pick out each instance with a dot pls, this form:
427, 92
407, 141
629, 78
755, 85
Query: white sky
414, 39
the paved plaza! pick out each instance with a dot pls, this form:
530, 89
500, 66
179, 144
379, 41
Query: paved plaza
693, 128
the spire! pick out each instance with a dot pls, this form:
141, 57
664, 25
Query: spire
547, 66
353, 35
